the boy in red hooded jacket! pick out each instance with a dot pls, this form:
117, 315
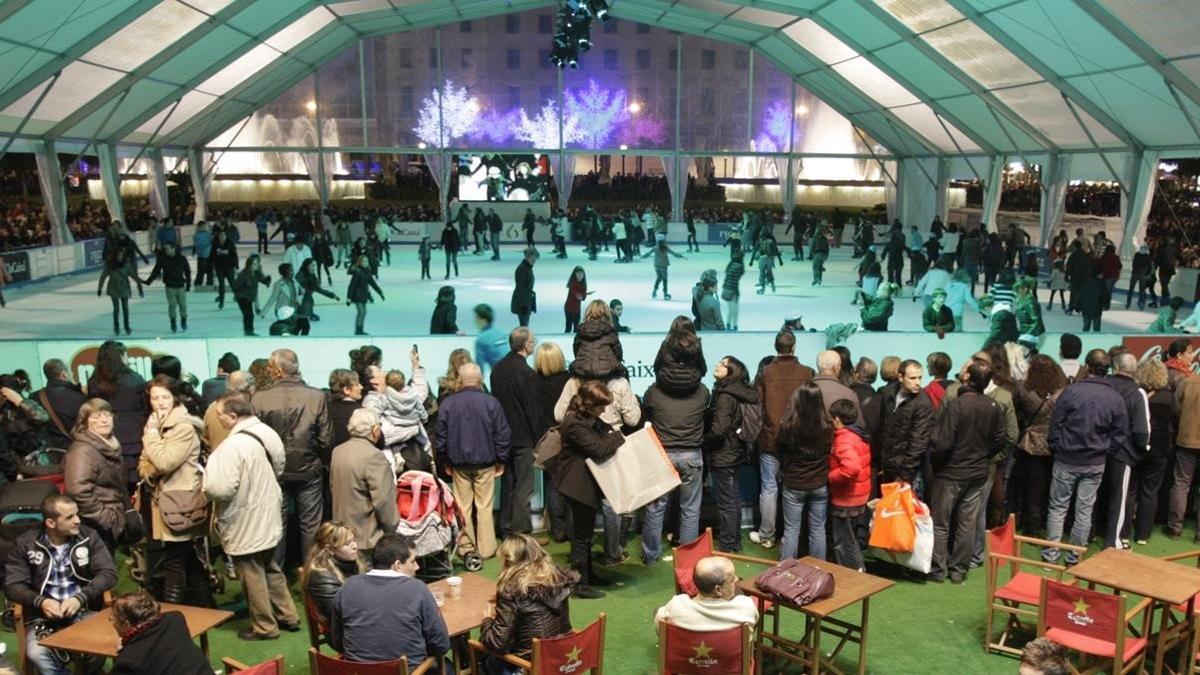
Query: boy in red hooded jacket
849, 485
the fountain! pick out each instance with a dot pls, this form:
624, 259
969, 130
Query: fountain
267, 130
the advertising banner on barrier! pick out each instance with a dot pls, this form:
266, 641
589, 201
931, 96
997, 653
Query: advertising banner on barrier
1142, 346
17, 264
93, 252
719, 232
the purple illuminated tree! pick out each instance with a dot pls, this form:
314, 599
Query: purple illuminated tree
542, 131
457, 118
597, 111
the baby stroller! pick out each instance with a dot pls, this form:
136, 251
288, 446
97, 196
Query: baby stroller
431, 519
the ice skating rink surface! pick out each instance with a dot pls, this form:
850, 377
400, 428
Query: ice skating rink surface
67, 307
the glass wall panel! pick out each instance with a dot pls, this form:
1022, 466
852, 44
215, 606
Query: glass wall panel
339, 101
715, 111
401, 71
510, 89
289, 121
623, 94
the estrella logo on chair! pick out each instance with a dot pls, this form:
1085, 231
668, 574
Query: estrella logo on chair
703, 658
573, 661
1079, 616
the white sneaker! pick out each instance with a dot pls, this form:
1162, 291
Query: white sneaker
765, 542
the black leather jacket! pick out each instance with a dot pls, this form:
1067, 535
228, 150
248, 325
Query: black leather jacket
539, 612
323, 586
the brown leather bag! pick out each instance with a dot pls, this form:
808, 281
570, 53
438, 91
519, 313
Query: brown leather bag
796, 582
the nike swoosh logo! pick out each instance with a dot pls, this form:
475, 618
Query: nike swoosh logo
891, 514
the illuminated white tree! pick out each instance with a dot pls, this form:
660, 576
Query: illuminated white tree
598, 112
542, 131
458, 116
644, 130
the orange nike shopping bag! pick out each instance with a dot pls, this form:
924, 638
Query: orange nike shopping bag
894, 526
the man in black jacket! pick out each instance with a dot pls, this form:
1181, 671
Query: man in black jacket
515, 386
907, 421
176, 272
1119, 469
969, 433
60, 398
524, 299
495, 226
58, 574
300, 415
1088, 424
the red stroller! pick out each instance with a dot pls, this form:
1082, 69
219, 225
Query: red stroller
432, 520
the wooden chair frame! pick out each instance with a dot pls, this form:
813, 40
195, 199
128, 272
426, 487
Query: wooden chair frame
1012, 610
430, 662
531, 665
1169, 626
24, 666
316, 637
747, 648
1103, 665
232, 665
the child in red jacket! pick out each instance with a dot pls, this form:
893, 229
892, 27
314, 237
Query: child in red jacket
849, 485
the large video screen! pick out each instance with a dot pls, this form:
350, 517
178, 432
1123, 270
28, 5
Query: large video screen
503, 178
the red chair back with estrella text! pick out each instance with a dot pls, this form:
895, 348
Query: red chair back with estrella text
686, 652
576, 652
1090, 614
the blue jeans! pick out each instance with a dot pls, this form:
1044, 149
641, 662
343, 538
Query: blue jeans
690, 465
43, 659
768, 495
1065, 483
795, 503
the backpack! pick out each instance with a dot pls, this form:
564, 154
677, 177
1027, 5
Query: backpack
751, 422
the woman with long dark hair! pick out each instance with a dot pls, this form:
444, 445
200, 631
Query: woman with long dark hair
362, 359
584, 436
362, 282
171, 366
117, 272
804, 441
679, 365
1035, 401
725, 451
309, 280
245, 291
114, 381
170, 465
577, 292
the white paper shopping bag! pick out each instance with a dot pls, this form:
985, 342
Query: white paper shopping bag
637, 474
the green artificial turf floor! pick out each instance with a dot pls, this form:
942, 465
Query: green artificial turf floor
914, 627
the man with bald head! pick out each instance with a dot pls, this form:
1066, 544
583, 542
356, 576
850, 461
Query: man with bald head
829, 369
300, 415
473, 443
717, 606
1123, 460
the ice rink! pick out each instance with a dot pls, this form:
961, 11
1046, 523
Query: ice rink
68, 307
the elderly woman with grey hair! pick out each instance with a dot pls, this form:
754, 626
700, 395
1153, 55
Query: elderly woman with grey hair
362, 482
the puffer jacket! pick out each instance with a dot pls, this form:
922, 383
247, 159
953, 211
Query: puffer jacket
875, 314
170, 460
849, 468
678, 419
598, 353
722, 447
583, 438
95, 477
679, 368
905, 435
300, 415
521, 616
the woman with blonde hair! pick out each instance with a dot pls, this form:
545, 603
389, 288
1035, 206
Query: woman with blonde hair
332, 558
550, 368
597, 346
450, 382
170, 466
532, 596
94, 474
1155, 382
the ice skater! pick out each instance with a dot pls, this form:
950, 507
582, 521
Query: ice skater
322, 254
176, 272
690, 220
245, 291
358, 293
529, 225
558, 222
445, 313
5, 279
425, 253
662, 262
309, 280
731, 291
818, 252
202, 245
343, 240
450, 245
769, 252
577, 292
117, 272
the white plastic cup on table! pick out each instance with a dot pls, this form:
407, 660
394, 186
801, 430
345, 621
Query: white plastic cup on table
439, 596
455, 586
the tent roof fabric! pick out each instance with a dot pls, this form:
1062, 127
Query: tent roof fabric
924, 77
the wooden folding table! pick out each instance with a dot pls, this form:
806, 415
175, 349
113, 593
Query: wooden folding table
96, 636
1168, 584
464, 614
850, 587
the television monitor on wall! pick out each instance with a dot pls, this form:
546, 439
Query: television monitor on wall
496, 177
